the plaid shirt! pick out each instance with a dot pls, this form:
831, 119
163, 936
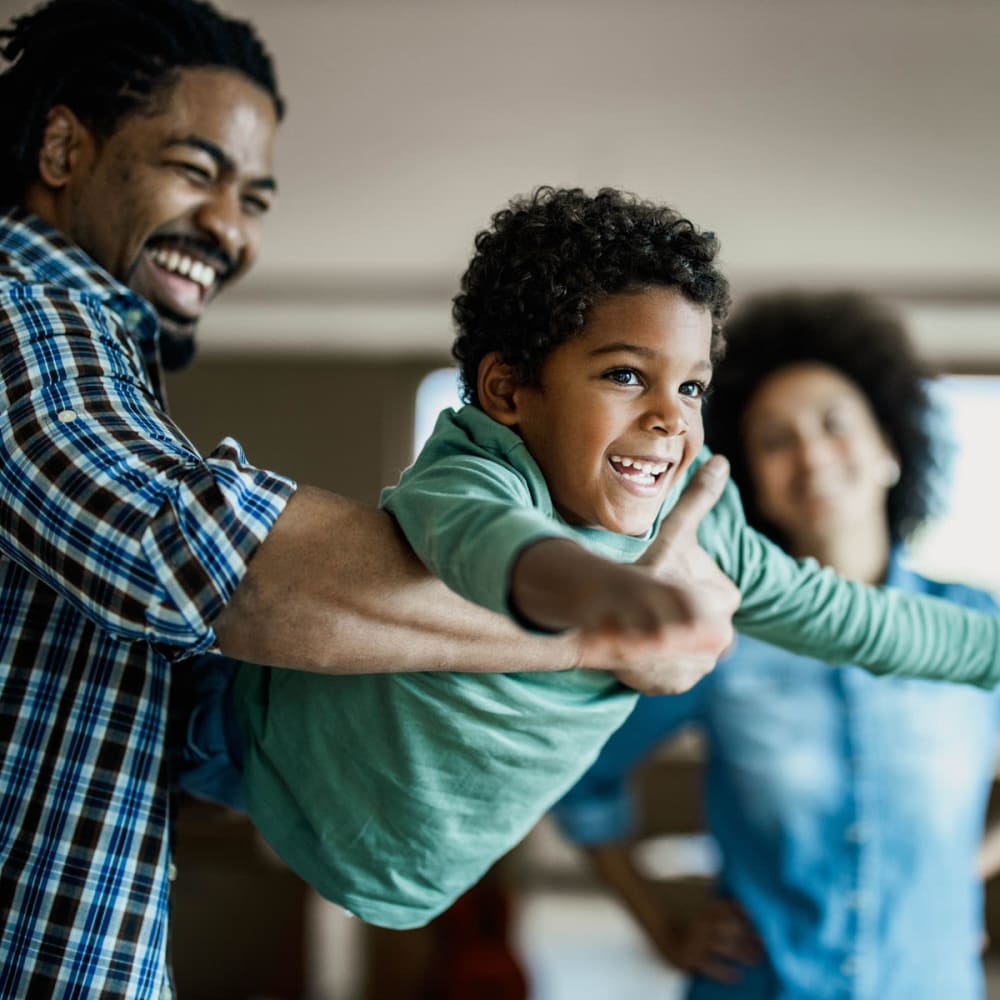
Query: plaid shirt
119, 544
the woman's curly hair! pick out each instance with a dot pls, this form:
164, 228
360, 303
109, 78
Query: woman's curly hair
863, 340
550, 256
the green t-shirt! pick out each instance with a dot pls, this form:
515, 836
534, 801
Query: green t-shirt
392, 793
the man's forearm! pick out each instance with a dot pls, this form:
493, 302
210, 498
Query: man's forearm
335, 589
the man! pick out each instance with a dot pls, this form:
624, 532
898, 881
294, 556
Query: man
134, 178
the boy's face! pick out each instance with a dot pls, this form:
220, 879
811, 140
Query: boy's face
617, 416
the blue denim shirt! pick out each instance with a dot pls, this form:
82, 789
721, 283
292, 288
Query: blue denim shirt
848, 810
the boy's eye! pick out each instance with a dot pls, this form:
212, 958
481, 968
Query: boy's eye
623, 376
693, 389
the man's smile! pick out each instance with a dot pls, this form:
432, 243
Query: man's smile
186, 266
181, 277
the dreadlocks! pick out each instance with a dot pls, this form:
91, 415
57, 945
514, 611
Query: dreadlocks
105, 60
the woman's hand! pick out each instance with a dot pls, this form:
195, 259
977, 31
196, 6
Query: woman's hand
714, 944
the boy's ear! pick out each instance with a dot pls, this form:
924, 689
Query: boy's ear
62, 144
496, 387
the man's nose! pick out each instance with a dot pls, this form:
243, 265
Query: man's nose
222, 218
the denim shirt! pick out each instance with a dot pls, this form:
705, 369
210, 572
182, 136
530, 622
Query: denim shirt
848, 810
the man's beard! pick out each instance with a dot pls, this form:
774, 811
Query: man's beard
176, 352
177, 340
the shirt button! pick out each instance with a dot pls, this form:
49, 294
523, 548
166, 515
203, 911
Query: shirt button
134, 317
171, 872
66, 416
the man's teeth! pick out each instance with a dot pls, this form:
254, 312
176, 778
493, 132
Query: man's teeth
186, 267
643, 472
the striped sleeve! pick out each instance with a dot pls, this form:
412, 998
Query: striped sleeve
102, 496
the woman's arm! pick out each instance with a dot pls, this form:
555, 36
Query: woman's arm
711, 944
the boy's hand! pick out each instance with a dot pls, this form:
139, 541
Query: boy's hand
707, 598
659, 626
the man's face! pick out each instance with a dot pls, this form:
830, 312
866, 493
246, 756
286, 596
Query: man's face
617, 416
171, 203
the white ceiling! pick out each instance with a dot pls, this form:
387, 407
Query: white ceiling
825, 141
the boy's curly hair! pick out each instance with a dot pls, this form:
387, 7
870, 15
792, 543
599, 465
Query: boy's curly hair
857, 336
550, 256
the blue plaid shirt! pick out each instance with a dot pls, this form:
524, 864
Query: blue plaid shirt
119, 544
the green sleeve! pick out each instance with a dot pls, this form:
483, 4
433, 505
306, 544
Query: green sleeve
468, 511
810, 610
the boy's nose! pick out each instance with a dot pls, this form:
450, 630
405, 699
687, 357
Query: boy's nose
666, 416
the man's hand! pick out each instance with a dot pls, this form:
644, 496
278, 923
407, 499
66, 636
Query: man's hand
705, 597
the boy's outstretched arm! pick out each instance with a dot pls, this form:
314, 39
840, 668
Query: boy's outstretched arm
677, 604
335, 589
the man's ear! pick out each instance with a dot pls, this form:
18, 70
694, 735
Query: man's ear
497, 389
63, 141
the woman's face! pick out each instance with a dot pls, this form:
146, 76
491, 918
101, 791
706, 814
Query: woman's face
820, 466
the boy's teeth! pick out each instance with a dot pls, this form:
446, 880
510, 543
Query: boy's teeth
648, 468
188, 267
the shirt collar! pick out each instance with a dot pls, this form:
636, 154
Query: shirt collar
48, 257
43, 255
898, 574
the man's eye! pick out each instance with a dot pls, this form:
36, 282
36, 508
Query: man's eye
194, 171
623, 376
255, 205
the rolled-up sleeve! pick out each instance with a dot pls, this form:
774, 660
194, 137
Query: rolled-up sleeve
103, 497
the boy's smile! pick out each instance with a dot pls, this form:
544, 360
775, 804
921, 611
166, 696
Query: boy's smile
616, 418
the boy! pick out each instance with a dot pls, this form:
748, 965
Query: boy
588, 327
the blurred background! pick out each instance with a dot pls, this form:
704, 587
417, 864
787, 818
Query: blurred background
829, 145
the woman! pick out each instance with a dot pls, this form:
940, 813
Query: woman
848, 809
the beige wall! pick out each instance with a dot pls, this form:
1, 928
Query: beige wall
341, 423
